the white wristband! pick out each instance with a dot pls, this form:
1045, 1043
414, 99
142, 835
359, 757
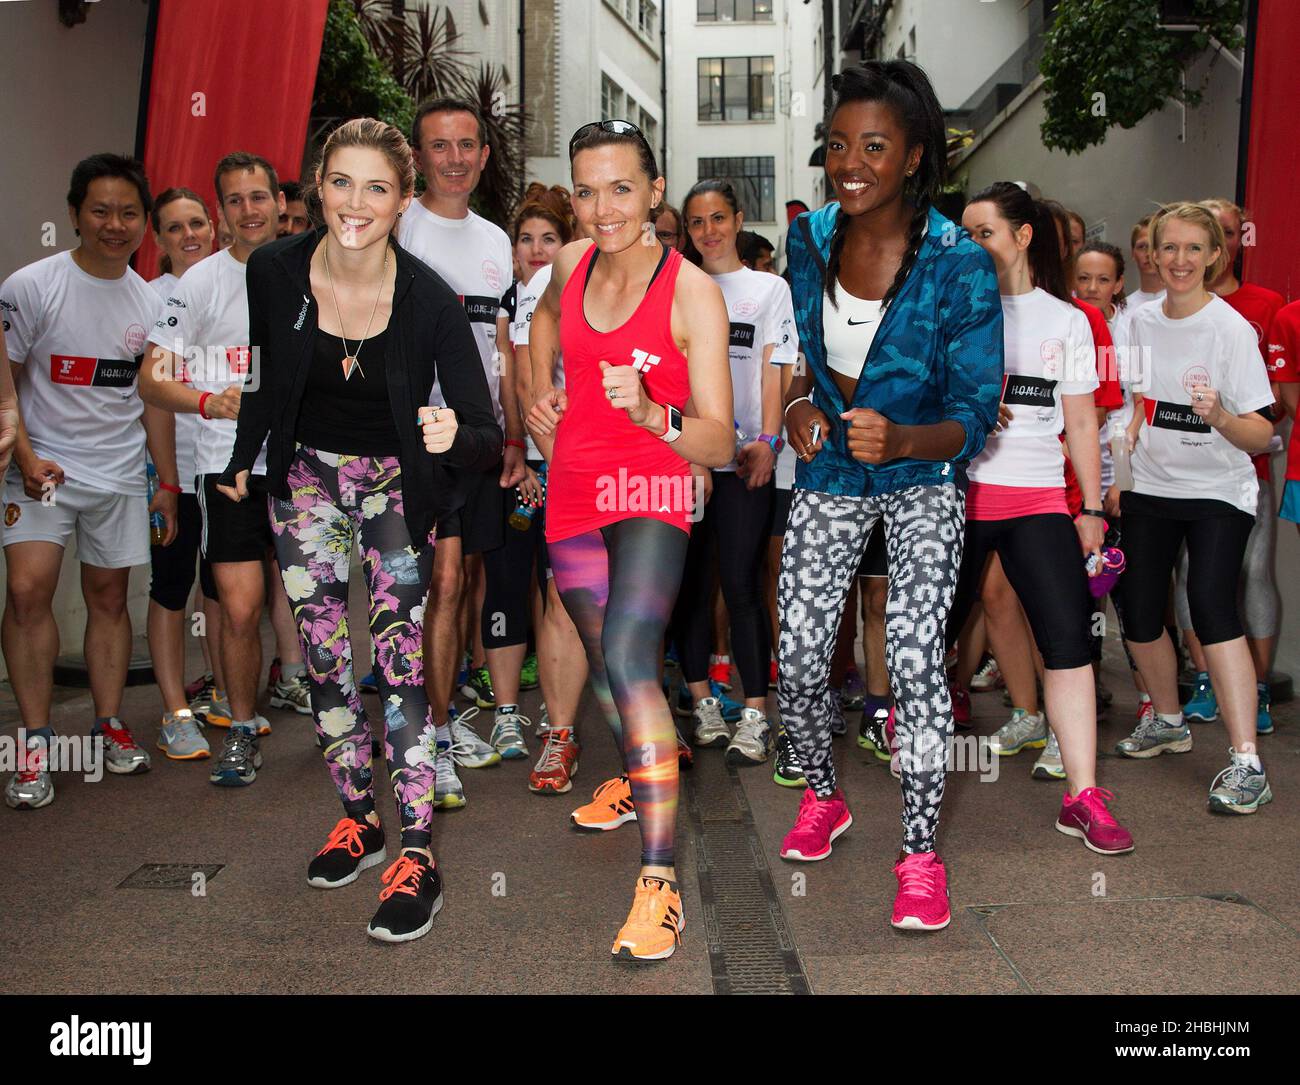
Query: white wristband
805, 399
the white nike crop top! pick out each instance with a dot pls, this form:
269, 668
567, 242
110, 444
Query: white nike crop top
848, 331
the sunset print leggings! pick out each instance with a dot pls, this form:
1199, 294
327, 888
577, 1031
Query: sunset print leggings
618, 584
333, 501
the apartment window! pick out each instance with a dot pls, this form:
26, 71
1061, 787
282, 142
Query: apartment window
736, 88
733, 11
646, 15
611, 99
754, 179
649, 127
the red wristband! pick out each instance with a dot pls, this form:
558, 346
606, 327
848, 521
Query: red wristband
512, 443
203, 399
169, 487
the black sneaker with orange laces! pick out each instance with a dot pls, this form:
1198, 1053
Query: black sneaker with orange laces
353, 846
411, 897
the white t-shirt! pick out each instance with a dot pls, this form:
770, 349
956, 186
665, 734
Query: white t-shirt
1177, 454
1049, 354
81, 340
1138, 298
188, 426
761, 314
475, 259
526, 298
205, 322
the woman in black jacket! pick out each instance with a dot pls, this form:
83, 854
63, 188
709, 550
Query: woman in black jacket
349, 333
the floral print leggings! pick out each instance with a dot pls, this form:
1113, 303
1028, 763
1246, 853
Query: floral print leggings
333, 500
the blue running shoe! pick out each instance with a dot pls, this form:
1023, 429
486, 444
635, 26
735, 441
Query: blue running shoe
1264, 718
731, 710
369, 684
1204, 706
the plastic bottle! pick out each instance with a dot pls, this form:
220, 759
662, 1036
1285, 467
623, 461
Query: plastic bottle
157, 525
522, 518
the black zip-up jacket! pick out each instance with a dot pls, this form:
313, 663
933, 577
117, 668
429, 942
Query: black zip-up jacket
429, 336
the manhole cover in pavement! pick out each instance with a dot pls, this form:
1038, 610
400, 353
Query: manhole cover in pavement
169, 875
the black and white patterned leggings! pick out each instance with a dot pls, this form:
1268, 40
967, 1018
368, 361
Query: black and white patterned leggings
824, 541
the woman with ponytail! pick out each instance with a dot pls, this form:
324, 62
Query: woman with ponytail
897, 310
1016, 506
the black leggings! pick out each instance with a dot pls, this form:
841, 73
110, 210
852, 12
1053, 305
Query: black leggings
172, 567
736, 528
1154, 529
1044, 564
507, 571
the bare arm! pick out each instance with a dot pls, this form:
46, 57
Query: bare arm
700, 319
9, 418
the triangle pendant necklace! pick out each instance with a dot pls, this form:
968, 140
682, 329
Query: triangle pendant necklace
351, 362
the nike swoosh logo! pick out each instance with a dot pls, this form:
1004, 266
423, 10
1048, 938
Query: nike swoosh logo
855, 323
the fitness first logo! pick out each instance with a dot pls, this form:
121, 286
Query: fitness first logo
7, 307
643, 362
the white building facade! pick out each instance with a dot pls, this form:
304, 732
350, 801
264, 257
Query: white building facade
742, 103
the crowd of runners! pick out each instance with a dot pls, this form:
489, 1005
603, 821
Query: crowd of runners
611, 447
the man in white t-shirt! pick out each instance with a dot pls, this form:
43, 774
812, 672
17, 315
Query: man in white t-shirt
75, 326
200, 361
474, 257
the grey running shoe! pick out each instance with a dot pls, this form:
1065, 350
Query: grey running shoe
239, 761
752, 744
180, 737
543, 723
1153, 736
293, 693
467, 749
448, 793
710, 727
121, 754
212, 708
508, 733
1048, 766
32, 786
1022, 731
1240, 788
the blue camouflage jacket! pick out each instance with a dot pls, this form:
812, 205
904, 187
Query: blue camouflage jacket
937, 355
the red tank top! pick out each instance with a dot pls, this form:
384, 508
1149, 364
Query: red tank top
605, 468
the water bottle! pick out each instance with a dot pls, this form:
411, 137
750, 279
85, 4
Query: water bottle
742, 439
522, 518
157, 525
1120, 456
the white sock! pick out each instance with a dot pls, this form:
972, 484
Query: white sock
1251, 759
1171, 719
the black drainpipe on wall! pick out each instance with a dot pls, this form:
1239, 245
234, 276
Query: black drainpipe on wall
523, 100
663, 85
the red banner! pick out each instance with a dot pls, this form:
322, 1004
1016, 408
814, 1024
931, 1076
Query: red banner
233, 76
1273, 161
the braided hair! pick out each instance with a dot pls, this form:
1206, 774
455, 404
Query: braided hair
906, 89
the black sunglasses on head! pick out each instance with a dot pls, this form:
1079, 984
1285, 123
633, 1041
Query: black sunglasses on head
617, 128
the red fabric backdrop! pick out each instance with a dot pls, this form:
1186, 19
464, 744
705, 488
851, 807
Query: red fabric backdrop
255, 66
1273, 162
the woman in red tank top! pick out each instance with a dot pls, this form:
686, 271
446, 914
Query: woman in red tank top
647, 395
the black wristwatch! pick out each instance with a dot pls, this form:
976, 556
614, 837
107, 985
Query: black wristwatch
1092, 512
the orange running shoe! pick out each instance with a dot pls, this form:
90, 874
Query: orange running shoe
655, 924
610, 806
555, 769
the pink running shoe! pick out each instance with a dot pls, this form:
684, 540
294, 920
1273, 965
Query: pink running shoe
960, 704
922, 901
1086, 817
819, 822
